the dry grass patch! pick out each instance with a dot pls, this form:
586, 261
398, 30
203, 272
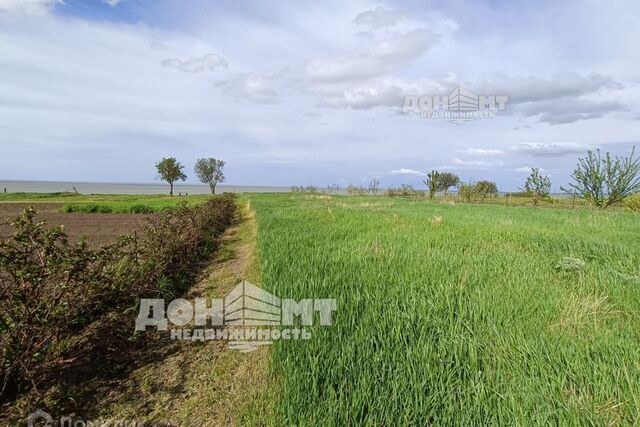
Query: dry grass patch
585, 314
438, 219
317, 197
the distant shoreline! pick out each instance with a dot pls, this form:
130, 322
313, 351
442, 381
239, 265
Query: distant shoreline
16, 186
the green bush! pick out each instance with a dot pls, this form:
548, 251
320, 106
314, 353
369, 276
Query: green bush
633, 202
471, 192
140, 209
51, 291
520, 194
87, 208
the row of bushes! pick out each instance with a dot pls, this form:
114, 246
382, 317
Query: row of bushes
404, 190
52, 291
469, 192
304, 189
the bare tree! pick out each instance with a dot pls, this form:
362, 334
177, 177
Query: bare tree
170, 170
374, 186
538, 185
603, 180
432, 182
333, 188
209, 171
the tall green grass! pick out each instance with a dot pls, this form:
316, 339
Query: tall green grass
107, 203
454, 314
22, 196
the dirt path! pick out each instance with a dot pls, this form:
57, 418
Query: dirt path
203, 384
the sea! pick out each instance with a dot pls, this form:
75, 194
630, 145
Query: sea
126, 188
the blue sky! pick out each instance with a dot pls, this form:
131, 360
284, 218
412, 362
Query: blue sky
293, 93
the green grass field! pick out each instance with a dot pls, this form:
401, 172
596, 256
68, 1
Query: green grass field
454, 314
107, 203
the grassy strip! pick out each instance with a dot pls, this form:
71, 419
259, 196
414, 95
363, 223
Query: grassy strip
102, 198
107, 203
197, 377
138, 204
12, 197
119, 207
455, 314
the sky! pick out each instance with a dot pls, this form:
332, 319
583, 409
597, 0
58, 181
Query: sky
297, 93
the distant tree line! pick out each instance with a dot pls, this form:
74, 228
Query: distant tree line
601, 180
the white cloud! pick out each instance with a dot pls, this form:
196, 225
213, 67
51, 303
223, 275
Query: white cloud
558, 99
380, 17
251, 87
476, 164
570, 110
533, 89
481, 152
527, 170
383, 92
406, 171
28, 7
210, 62
523, 169
554, 149
388, 93
112, 3
382, 57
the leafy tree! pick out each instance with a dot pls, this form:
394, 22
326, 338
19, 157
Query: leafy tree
209, 171
432, 182
374, 186
170, 170
603, 180
448, 180
467, 191
538, 185
486, 188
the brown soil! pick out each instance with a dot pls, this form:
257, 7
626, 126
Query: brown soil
97, 227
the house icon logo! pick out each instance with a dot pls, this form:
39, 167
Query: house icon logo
39, 418
463, 100
248, 305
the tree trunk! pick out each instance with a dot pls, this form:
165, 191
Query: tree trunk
212, 186
171, 188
